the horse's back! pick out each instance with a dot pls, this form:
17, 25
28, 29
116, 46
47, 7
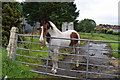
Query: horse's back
70, 32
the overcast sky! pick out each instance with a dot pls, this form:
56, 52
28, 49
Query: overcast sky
102, 11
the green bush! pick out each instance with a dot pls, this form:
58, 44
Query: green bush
104, 30
109, 32
11, 17
115, 33
92, 32
97, 30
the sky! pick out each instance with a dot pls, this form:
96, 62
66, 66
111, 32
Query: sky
102, 11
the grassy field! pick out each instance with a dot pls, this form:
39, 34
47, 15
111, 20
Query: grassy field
100, 36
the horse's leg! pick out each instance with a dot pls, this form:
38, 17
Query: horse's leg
77, 57
52, 54
55, 61
73, 52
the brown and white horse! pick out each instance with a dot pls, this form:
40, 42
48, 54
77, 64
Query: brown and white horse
47, 28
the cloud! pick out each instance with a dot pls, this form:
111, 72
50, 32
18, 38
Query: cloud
102, 11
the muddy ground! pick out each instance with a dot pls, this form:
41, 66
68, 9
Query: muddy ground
96, 61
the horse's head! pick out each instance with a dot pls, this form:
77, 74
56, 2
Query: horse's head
44, 27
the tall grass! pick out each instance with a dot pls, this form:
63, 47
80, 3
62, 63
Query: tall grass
0, 62
14, 69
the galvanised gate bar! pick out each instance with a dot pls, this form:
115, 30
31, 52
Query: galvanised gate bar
87, 64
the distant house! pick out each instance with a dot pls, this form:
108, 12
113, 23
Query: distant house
111, 27
98, 27
67, 26
116, 29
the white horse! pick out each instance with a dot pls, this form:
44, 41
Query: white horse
47, 28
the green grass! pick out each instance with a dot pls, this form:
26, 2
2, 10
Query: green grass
115, 46
105, 37
32, 53
0, 62
19, 70
100, 36
14, 69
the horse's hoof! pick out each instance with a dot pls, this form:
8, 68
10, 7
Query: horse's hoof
54, 72
77, 65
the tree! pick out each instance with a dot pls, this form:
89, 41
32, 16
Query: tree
11, 13
57, 12
86, 25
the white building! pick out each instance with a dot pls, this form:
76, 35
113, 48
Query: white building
67, 26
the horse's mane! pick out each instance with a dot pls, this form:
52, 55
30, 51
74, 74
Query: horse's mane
54, 27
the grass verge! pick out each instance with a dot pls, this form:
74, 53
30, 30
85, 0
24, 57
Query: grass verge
14, 69
0, 62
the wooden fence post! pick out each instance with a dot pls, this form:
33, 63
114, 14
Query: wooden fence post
12, 43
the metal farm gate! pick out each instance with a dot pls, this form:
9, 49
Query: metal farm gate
88, 65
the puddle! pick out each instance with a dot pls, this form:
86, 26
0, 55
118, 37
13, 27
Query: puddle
99, 49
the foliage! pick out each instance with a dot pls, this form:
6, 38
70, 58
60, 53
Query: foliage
15, 69
0, 62
104, 30
86, 25
57, 12
92, 32
115, 33
109, 31
98, 29
10, 17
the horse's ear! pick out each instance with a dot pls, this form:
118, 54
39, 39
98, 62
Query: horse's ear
39, 20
